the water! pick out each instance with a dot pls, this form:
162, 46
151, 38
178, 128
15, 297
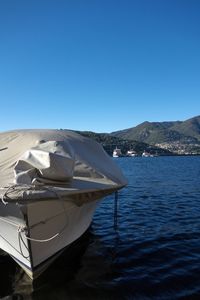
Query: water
153, 254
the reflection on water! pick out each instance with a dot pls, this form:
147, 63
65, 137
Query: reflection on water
81, 272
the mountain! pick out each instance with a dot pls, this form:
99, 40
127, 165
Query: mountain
179, 134
160, 132
110, 142
190, 127
162, 138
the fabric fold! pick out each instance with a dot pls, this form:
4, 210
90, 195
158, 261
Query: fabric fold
48, 162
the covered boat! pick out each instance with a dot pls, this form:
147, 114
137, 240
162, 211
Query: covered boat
50, 184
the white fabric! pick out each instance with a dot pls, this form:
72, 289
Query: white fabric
56, 158
45, 163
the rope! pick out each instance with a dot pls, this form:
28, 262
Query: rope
22, 228
2, 197
11, 188
20, 239
44, 240
116, 211
24, 188
12, 246
58, 233
116, 240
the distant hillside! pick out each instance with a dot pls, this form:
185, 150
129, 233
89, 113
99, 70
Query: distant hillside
110, 142
189, 128
163, 132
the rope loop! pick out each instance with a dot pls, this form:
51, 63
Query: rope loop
21, 228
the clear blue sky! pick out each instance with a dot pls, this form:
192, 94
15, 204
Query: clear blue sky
100, 65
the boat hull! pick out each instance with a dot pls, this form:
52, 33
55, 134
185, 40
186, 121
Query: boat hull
35, 234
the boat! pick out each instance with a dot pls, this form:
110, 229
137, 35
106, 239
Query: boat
147, 154
50, 184
131, 153
117, 152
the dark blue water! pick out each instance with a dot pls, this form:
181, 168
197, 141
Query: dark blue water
154, 253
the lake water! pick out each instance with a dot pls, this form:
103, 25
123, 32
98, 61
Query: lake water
153, 253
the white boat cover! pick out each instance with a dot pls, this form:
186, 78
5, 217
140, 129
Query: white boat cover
37, 164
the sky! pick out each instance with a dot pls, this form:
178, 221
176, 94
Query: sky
98, 65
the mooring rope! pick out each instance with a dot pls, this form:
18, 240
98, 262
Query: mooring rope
37, 240
12, 246
116, 211
10, 188
23, 228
